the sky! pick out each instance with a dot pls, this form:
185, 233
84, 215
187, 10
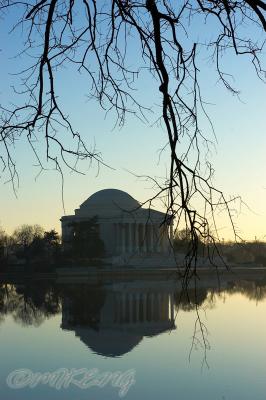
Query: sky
132, 151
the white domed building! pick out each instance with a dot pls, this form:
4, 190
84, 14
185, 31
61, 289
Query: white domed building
125, 227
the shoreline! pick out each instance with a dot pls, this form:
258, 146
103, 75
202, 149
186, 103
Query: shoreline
96, 274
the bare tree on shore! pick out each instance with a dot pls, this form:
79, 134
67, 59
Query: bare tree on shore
100, 39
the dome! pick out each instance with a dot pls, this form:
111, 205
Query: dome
111, 198
108, 343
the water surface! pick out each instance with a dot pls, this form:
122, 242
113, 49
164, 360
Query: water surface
208, 344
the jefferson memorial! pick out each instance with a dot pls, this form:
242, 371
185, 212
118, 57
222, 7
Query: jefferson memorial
125, 227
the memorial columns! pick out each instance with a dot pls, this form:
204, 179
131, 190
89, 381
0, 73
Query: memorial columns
137, 307
137, 237
130, 300
146, 237
153, 241
144, 298
172, 306
123, 308
130, 238
123, 238
140, 237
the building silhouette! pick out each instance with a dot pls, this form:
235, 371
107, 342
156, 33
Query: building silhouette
124, 226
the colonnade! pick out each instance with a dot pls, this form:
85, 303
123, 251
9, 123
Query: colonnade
134, 307
140, 238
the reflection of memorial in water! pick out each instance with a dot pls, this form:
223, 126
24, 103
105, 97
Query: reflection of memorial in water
113, 320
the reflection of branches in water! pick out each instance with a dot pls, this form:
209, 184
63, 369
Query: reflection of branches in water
29, 305
200, 300
26, 314
193, 299
253, 290
200, 337
186, 299
8, 299
3, 291
85, 303
33, 303
205, 298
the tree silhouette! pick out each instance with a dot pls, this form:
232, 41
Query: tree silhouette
26, 237
86, 242
97, 38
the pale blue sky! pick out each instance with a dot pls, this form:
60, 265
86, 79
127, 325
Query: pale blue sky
239, 159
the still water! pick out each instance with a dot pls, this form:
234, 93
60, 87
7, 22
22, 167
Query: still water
133, 339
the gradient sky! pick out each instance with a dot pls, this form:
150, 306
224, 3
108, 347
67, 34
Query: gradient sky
239, 159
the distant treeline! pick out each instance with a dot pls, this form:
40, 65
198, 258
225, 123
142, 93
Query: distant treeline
32, 245
29, 244
245, 252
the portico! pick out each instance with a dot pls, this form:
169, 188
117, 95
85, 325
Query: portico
140, 237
